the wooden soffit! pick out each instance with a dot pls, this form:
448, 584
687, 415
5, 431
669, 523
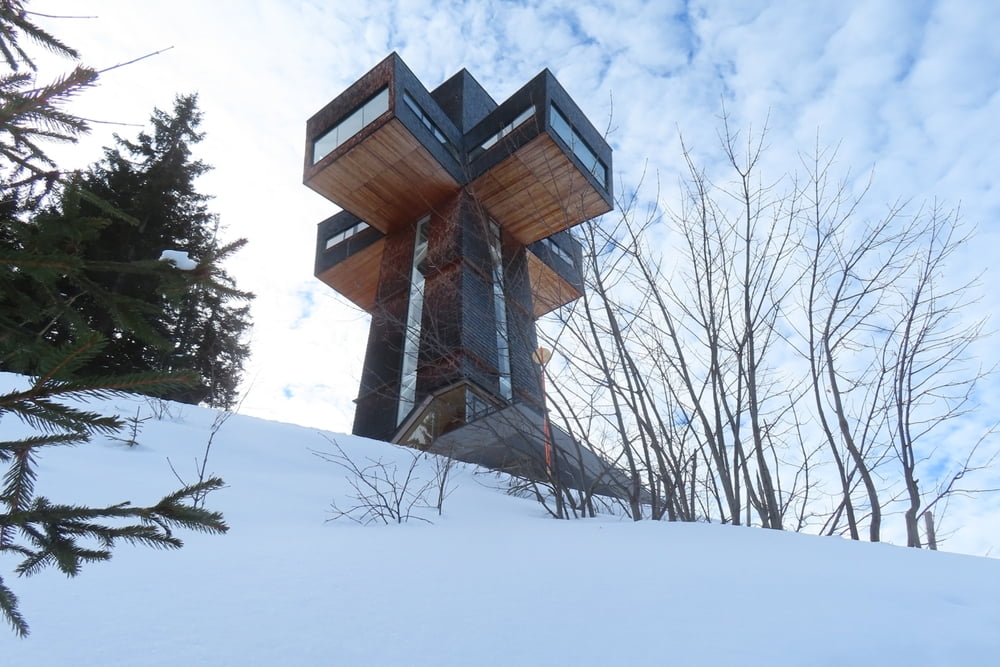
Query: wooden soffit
548, 289
356, 277
538, 191
386, 178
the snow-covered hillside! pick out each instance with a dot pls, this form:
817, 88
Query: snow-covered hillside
492, 581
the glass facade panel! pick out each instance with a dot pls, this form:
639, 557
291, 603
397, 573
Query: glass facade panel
579, 147
523, 117
340, 237
500, 311
351, 125
475, 407
325, 145
414, 314
375, 107
557, 250
428, 123
562, 128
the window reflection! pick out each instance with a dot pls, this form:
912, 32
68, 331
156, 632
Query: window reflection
428, 123
342, 236
557, 250
500, 311
578, 146
521, 118
414, 313
348, 127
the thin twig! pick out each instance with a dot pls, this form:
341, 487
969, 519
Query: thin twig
59, 16
134, 60
112, 122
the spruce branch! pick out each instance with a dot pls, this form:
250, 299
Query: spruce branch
8, 607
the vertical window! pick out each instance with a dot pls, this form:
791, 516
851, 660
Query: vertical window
500, 311
414, 313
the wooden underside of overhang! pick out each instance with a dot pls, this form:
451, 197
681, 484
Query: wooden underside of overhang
537, 192
357, 276
387, 179
548, 289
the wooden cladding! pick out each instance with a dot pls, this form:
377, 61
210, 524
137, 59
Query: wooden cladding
538, 191
357, 276
548, 289
385, 178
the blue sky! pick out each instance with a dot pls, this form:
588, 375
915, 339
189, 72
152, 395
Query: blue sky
908, 91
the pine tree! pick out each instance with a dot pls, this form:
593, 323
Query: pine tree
152, 180
43, 276
30, 114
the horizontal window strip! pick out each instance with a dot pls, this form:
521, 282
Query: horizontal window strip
333, 138
579, 147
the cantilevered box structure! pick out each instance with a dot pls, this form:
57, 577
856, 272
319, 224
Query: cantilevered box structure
454, 236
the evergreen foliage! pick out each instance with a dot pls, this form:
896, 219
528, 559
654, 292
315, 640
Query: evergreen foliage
30, 113
46, 222
151, 181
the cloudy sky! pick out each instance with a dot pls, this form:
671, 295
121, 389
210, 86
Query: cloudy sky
908, 89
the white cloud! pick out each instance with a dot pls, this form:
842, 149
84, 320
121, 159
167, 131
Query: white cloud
910, 88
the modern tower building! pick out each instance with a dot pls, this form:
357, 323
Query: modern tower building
454, 236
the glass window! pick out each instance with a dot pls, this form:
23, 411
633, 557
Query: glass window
427, 122
325, 145
350, 126
414, 313
500, 311
557, 250
521, 118
562, 128
579, 147
330, 140
342, 236
376, 106
475, 406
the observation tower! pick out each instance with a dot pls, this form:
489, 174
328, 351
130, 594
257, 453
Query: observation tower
454, 236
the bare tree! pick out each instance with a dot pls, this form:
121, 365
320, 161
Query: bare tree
762, 352
382, 491
682, 355
767, 354
933, 375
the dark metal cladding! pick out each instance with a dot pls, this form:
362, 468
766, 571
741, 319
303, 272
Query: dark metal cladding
327, 258
464, 100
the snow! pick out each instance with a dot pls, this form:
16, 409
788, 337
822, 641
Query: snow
180, 259
493, 581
